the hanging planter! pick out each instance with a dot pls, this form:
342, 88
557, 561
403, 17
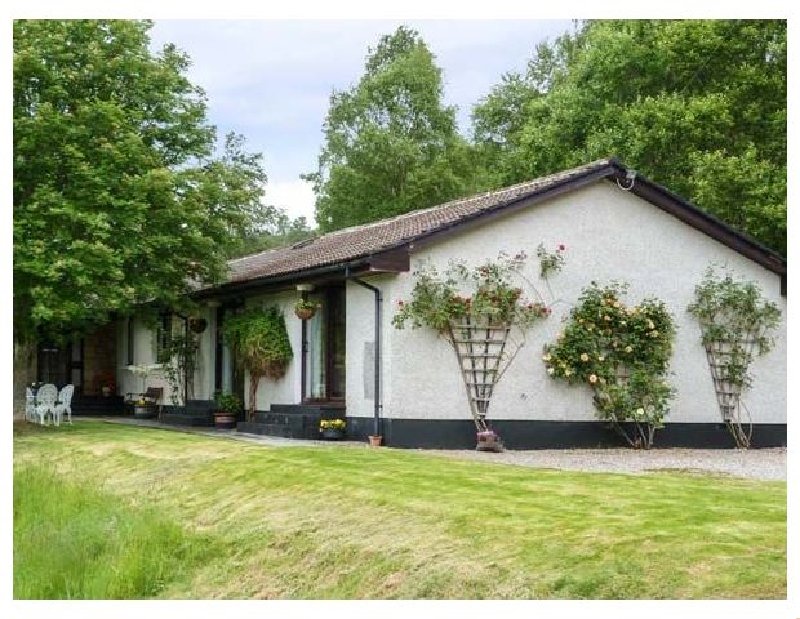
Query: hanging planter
198, 325
305, 309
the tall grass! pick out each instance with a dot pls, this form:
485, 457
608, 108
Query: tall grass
73, 541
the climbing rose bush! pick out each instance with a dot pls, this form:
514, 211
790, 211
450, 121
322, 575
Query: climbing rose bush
489, 293
622, 353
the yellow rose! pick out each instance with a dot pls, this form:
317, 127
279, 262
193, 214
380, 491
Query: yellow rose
592, 379
628, 349
546, 357
584, 357
601, 358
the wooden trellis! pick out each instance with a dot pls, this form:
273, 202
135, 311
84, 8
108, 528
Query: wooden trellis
729, 393
482, 358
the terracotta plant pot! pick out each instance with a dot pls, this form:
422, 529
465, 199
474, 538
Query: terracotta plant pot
224, 421
375, 441
489, 441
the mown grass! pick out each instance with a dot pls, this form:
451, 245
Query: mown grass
337, 522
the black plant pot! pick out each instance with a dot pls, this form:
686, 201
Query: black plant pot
332, 434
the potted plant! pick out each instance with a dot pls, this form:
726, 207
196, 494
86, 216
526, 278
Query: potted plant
375, 440
332, 428
105, 383
142, 407
305, 309
228, 407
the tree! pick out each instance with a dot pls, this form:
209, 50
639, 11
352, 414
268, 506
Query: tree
391, 146
117, 194
281, 232
696, 105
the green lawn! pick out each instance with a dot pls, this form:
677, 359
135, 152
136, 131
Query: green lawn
236, 520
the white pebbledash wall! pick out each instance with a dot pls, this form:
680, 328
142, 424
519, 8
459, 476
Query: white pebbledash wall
610, 235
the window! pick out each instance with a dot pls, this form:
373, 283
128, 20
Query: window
163, 336
130, 358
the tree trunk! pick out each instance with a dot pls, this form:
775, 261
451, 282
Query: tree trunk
24, 374
254, 378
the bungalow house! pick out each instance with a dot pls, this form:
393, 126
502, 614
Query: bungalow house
350, 361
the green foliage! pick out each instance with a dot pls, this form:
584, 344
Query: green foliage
735, 322
117, 195
550, 262
437, 300
74, 541
178, 359
622, 353
229, 403
391, 146
261, 344
281, 232
696, 105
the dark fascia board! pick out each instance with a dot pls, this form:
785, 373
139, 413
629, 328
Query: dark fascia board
688, 213
396, 261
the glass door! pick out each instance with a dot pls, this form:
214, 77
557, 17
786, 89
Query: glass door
324, 357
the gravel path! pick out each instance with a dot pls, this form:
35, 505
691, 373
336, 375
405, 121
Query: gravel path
755, 463
769, 464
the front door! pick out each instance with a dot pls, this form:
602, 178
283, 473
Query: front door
228, 375
324, 346
61, 364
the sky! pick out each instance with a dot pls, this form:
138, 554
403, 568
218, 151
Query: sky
271, 80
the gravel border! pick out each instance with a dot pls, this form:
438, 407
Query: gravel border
766, 464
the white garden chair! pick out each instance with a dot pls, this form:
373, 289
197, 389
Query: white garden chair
45, 402
30, 404
63, 405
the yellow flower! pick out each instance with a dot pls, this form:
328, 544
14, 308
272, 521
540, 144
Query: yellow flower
606, 317
654, 333
560, 335
639, 412
650, 324
551, 371
592, 379
623, 323
567, 372
628, 349
546, 357
601, 358
617, 305
584, 357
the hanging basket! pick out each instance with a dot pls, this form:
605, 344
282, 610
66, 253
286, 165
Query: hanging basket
198, 325
305, 313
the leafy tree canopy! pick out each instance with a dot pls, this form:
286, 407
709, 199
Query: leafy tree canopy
391, 145
118, 196
696, 105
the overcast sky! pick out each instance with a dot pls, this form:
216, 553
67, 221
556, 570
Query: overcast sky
271, 80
